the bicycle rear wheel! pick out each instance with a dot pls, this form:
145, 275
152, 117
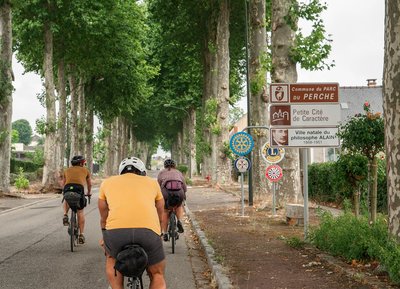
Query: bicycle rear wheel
135, 283
72, 225
172, 230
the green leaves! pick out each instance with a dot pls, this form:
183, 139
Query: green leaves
364, 134
24, 130
310, 51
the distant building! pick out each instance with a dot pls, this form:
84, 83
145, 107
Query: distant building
21, 150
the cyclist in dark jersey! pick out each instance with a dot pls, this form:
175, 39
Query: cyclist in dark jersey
77, 176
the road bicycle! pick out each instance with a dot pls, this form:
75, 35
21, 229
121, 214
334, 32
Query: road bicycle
73, 227
173, 234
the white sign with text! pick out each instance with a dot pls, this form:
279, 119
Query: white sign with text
313, 137
304, 137
305, 115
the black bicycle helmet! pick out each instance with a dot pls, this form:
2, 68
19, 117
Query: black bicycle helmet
78, 160
169, 163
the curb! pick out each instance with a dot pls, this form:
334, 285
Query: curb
217, 270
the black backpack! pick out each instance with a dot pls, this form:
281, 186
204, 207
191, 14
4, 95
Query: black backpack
131, 261
174, 199
73, 199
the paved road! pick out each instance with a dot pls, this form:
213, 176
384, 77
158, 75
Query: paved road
34, 251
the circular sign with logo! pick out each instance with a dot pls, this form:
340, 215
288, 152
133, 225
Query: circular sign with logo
241, 143
274, 173
242, 164
272, 155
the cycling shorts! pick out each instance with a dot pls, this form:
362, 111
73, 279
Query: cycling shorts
116, 239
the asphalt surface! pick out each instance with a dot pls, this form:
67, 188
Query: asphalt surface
35, 253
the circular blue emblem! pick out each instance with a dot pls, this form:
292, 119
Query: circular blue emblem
241, 143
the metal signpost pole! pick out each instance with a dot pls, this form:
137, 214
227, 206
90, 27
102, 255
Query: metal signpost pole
250, 180
241, 183
305, 192
273, 198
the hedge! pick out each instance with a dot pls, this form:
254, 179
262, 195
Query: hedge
327, 182
27, 166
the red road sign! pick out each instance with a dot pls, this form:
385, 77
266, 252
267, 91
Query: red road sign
274, 173
304, 93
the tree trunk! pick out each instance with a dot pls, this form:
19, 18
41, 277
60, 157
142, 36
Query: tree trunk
209, 92
132, 142
74, 133
89, 139
114, 146
258, 99
179, 151
109, 160
143, 149
6, 75
49, 180
62, 119
192, 143
356, 196
125, 148
373, 184
391, 111
81, 117
284, 70
223, 174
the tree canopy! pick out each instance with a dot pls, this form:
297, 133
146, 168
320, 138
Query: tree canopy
24, 130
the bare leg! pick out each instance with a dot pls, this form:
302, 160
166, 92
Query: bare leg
115, 281
179, 212
81, 221
65, 208
156, 275
165, 221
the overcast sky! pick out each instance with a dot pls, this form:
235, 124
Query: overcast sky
356, 26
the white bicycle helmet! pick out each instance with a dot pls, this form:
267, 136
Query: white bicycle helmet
130, 163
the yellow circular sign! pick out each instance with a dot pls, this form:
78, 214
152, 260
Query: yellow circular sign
272, 155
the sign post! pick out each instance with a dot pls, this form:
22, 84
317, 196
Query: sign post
242, 164
241, 143
274, 174
304, 115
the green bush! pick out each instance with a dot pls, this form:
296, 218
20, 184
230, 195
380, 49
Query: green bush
354, 239
26, 165
183, 169
320, 182
336, 181
37, 157
188, 182
21, 182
